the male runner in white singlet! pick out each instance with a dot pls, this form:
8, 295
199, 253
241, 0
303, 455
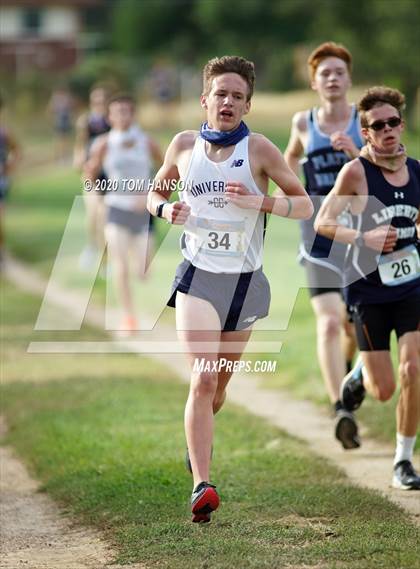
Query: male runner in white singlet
126, 155
220, 289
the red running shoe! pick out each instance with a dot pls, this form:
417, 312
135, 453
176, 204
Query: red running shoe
204, 500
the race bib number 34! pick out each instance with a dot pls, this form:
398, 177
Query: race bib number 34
215, 237
222, 242
399, 267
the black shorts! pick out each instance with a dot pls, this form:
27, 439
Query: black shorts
4, 187
101, 189
322, 279
375, 322
63, 124
134, 221
239, 299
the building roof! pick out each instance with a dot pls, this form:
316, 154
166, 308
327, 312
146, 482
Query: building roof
51, 3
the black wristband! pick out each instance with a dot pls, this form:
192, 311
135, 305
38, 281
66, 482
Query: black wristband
159, 209
359, 240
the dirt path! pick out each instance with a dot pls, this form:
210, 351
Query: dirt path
35, 534
48, 544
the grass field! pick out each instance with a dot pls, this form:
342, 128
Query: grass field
104, 434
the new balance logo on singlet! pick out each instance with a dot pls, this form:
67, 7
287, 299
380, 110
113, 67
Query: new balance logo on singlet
237, 163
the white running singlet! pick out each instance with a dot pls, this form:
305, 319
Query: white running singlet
221, 237
127, 160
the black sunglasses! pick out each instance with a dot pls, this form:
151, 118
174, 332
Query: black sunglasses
379, 125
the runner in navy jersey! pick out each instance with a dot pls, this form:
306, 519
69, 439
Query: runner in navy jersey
10, 154
220, 288
61, 108
89, 127
328, 136
91, 124
382, 187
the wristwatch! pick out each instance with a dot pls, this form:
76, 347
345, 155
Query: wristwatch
159, 209
359, 240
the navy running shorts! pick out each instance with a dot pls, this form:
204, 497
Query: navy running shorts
239, 299
322, 279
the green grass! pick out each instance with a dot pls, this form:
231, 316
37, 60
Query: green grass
104, 434
37, 214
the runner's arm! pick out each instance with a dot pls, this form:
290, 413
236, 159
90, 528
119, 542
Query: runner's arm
348, 191
343, 142
418, 221
156, 152
296, 203
165, 183
93, 166
294, 150
293, 202
80, 145
14, 152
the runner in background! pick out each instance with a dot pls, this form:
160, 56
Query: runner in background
328, 136
61, 108
89, 126
126, 154
10, 154
382, 187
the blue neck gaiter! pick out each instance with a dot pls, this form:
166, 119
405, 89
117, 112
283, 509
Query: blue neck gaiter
224, 138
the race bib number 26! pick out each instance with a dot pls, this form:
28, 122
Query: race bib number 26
399, 267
